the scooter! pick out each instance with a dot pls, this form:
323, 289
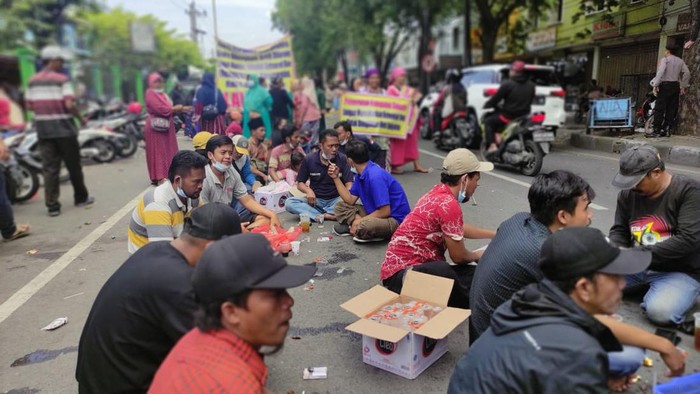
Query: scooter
456, 131
95, 143
523, 144
128, 136
21, 176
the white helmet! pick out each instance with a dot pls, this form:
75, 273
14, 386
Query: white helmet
55, 52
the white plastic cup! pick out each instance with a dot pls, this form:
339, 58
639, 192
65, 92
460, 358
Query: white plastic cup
295, 247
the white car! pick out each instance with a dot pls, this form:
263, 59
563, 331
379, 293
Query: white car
482, 82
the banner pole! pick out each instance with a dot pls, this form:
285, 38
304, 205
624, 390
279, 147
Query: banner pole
213, 14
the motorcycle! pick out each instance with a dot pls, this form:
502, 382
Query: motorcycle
523, 144
95, 143
21, 176
128, 133
456, 131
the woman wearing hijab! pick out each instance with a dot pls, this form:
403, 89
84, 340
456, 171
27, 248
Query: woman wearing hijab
404, 151
161, 145
210, 106
257, 103
374, 87
307, 114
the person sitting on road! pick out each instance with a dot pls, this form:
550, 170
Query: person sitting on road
321, 194
517, 94
244, 313
223, 184
436, 224
258, 150
160, 213
281, 155
660, 211
241, 162
146, 306
290, 174
199, 142
345, 135
8, 228
547, 339
384, 202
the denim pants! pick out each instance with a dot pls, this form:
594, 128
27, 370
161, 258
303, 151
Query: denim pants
670, 295
7, 219
298, 205
625, 362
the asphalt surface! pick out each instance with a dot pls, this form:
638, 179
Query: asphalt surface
58, 270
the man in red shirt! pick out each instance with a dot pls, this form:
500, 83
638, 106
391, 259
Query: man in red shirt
244, 312
436, 225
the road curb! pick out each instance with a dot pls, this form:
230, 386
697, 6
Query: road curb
679, 154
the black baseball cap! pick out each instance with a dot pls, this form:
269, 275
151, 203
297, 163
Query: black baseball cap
245, 262
212, 221
573, 252
635, 164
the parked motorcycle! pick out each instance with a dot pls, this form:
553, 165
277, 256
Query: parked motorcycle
129, 133
523, 144
456, 131
21, 177
95, 143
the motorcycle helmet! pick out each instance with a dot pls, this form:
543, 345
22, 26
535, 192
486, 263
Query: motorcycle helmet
134, 108
452, 75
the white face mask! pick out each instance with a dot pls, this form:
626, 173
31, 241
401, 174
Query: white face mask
221, 167
324, 157
343, 142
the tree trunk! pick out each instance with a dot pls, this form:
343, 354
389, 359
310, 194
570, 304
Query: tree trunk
344, 64
690, 103
488, 43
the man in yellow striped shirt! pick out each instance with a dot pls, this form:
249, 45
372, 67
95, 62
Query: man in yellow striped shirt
160, 213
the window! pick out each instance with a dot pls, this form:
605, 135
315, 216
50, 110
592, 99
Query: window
595, 6
455, 39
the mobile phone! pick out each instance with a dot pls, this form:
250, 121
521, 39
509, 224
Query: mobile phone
671, 335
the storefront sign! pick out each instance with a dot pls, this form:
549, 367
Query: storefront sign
609, 28
684, 22
542, 39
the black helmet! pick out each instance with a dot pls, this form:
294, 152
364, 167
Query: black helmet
452, 75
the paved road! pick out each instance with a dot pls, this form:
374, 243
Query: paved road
78, 251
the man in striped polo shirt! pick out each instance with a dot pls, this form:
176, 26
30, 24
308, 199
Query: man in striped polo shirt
160, 213
50, 96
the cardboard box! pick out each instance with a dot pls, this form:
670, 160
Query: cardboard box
396, 350
273, 196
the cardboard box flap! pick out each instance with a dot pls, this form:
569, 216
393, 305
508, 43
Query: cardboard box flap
377, 330
430, 288
439, 326
369, 301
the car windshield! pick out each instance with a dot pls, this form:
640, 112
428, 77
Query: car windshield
479, 76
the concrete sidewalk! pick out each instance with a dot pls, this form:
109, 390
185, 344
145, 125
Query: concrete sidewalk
681, 150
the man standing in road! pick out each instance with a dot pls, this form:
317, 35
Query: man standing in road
660, 211
669, 85
384, 202
160, 213
547, 339
436, 224
223, 184
244, 312
321, 195
146, 306
50, 96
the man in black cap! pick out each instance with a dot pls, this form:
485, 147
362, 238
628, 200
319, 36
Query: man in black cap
146, 306
244, 312
660, 211
546, 338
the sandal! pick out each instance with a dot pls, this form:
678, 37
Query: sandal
396, 171
21, 232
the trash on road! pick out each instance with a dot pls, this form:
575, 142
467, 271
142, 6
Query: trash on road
87, 223
315, 373
74, 295
648, 362
341, 270
309, 286
61, 321
324, 239
318, 274
33, 251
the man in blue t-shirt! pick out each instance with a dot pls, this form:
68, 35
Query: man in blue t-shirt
384, 203
321, 194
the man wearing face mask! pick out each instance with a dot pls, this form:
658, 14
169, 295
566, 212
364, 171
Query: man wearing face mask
223, 184
321, 194
384, 202
160, 213
281, 156
345, 134
436, 225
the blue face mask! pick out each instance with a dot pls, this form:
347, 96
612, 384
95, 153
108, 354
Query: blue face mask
221, 167
462, 197
181, 192
251, 83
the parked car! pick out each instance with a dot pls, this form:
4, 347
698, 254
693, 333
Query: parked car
482, 82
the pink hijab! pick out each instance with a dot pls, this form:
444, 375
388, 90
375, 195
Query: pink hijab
395, 73
152, 78
160, 96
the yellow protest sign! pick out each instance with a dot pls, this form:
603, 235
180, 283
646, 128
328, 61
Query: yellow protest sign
377, 115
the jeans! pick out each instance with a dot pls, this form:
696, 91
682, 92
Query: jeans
298, 205
53, 151
670, 295
7, 218
625, 362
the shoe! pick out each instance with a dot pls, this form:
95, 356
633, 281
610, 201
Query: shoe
21, 232
89, 201
365, 241
54, 212
341, 230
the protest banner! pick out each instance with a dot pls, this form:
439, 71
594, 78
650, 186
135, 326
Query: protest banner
376, 115
234, 64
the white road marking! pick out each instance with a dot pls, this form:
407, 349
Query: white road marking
25, 293
506, 178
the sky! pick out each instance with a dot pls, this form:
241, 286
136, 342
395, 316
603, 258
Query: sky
243, 23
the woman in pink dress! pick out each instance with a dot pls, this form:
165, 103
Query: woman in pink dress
161, 144
404, 151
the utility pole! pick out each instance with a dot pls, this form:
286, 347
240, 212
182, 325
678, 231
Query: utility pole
467, 59
195, 13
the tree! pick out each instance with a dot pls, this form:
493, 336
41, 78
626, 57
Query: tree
690, 114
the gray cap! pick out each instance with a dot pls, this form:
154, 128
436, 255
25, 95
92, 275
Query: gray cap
55, 52
635, 164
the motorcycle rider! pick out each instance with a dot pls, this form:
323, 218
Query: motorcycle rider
452, 99
517, 94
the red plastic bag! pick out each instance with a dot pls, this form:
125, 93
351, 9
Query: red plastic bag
282, 235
